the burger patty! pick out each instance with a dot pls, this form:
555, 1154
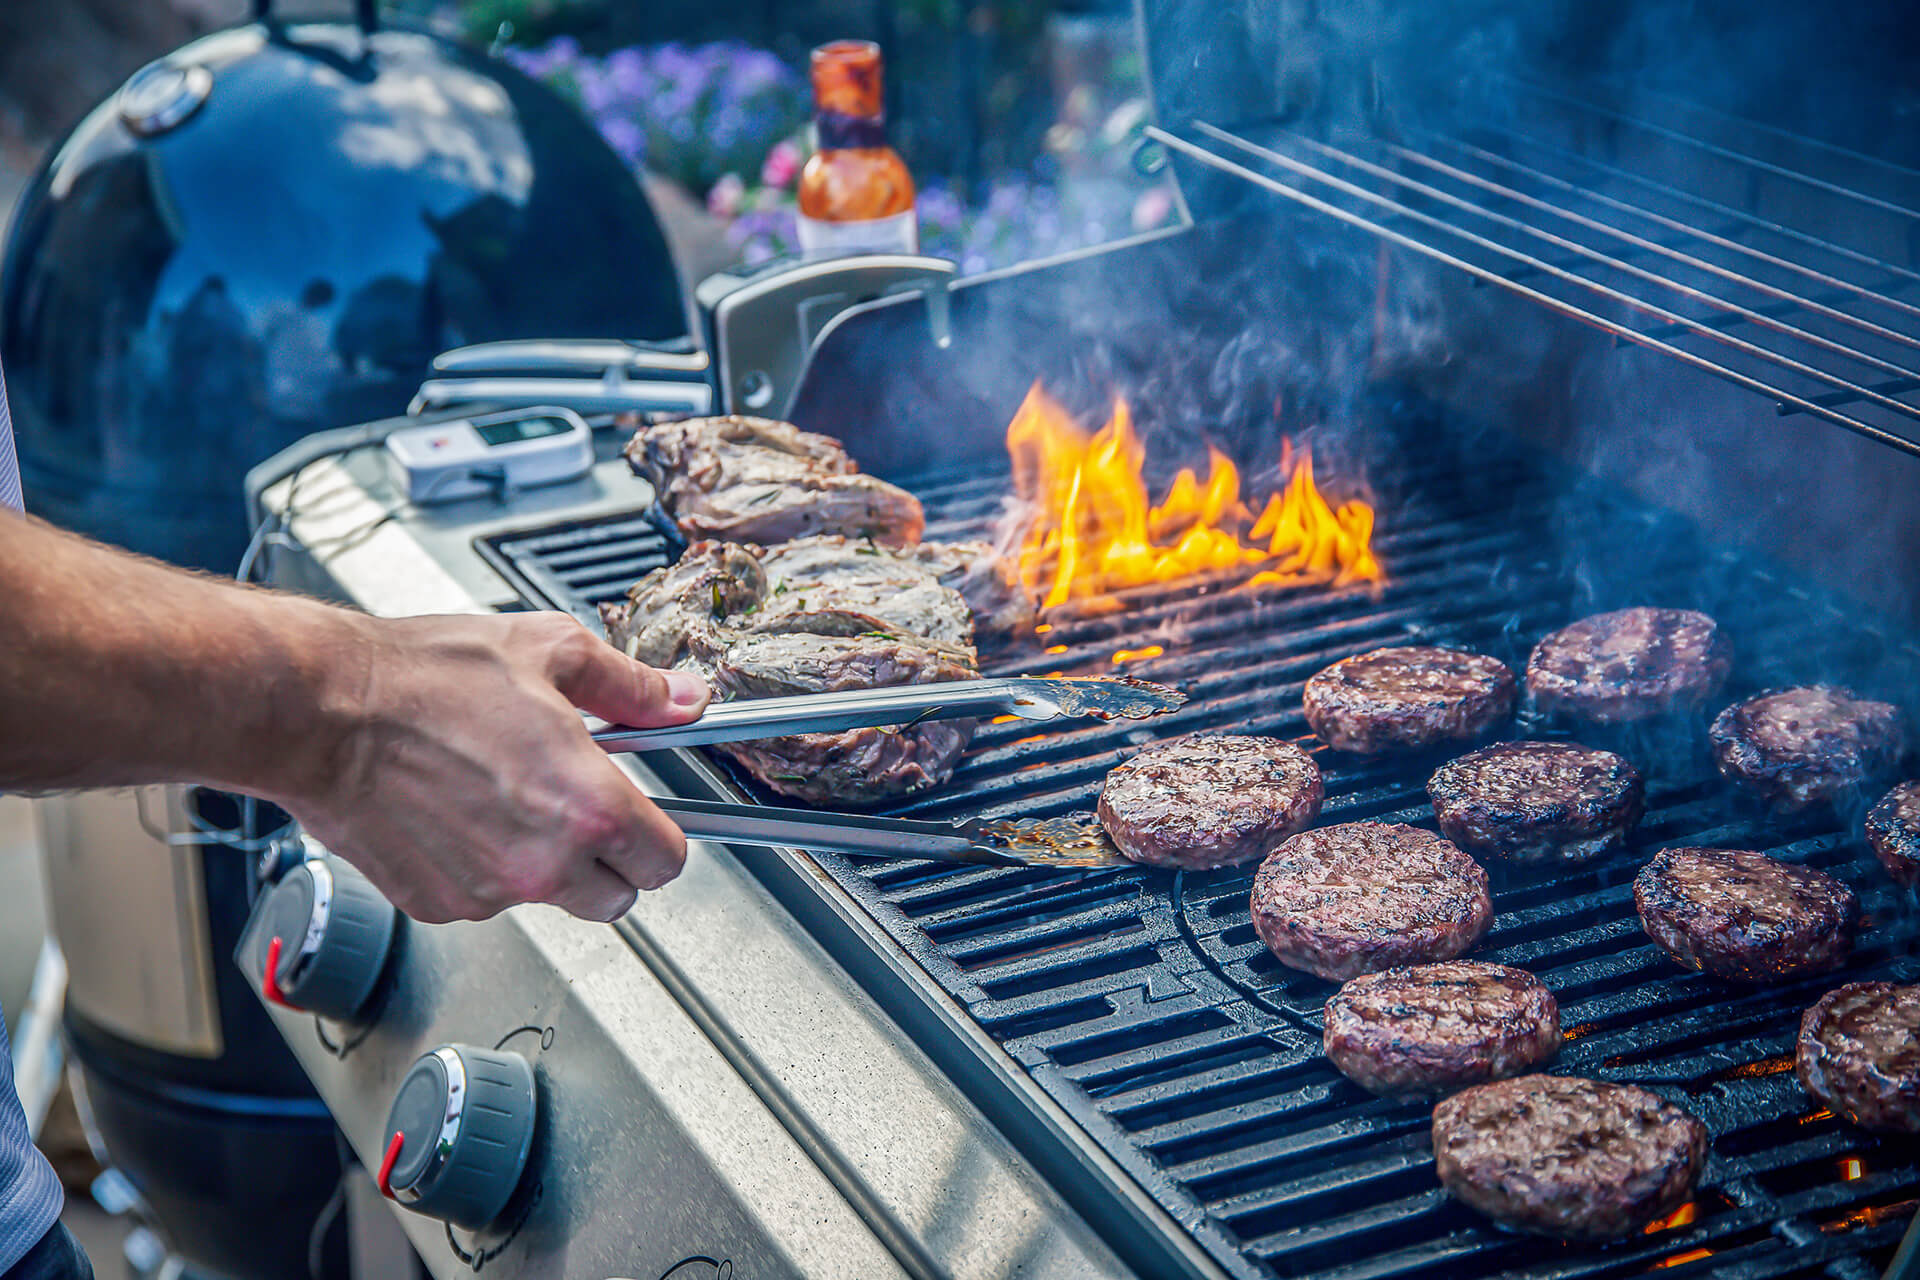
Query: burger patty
1860, 1054
1537, 801
1210, 800
1743, 916
1799, 746
1364, 896
1566, 1157
1893, 829
1629, 665
1406, 698
1433, 1028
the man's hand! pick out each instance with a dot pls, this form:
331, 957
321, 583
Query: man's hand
464, 781
444, 756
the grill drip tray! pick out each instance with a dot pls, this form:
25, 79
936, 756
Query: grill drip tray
1142, 1003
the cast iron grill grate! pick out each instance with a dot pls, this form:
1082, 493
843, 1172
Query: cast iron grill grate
1144, 1004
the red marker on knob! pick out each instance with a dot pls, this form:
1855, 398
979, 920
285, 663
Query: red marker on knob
386, 1165
270, 980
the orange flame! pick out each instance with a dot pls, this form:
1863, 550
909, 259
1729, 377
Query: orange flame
1093, 528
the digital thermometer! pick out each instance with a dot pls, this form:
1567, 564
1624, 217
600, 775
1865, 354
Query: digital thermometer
491, 453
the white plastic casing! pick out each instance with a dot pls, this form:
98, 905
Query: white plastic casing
444, 461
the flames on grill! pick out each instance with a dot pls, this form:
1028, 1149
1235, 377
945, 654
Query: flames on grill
1090, 527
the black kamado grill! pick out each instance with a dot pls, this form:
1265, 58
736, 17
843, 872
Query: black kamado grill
1583, 345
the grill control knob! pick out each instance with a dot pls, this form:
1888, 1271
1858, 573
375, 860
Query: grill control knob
458, 1134
318, 939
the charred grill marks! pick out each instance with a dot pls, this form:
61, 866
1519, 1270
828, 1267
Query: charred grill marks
1566, 1157
1537, 801
1407, 698
1363, 896
1743, 916
1430, 1028
1210, 800
1631, 664
1800, 746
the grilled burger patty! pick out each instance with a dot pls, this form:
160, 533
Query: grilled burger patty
1432, 1028
1364, 896
1799, 746
1743, 916
1629, 665
1893, 829
1210, 800
1566, 1157
1406, 698
1860, 1054
1537, 801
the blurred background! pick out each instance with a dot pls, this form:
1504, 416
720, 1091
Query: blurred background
1017, 117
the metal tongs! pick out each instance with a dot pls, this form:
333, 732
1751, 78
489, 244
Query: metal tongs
1029, 697
1065, 843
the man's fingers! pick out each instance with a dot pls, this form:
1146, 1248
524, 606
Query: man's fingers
654, 849
596, 893
596, 677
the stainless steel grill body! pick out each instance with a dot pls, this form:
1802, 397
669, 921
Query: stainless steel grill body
1583, 365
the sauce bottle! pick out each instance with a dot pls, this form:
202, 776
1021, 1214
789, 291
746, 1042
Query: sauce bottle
855, 192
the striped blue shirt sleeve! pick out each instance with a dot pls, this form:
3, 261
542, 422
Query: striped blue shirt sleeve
9, 462
29, 1192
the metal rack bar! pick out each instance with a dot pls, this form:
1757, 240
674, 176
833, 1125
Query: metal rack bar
1713, 206
1724, 153
1759, 126
1626, 333
1615, 295
1717, 239
1734, 310
1653, 246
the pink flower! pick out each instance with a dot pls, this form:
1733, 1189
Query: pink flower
782, 165
1154, 207
723, 200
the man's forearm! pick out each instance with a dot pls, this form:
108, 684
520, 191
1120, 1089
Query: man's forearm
115, 669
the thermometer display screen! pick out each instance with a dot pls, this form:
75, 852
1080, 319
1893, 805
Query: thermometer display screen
514, 430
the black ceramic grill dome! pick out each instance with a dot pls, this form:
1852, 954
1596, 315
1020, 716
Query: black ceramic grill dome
184, 297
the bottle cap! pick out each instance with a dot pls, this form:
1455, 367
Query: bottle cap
846, 78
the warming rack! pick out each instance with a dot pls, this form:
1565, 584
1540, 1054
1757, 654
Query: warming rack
1814, 324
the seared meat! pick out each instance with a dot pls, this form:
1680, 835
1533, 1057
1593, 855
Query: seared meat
1565, 1157
856, 765
1366, 896
756, 480
1406, 698
1893, 829
1000, 602
757, 665
1859, 1053
1743, 916
1799, 746
1433, 1028
1209, 800
861, 579
693, 449
1537, 801
748, 631
712, 584
1629, 665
